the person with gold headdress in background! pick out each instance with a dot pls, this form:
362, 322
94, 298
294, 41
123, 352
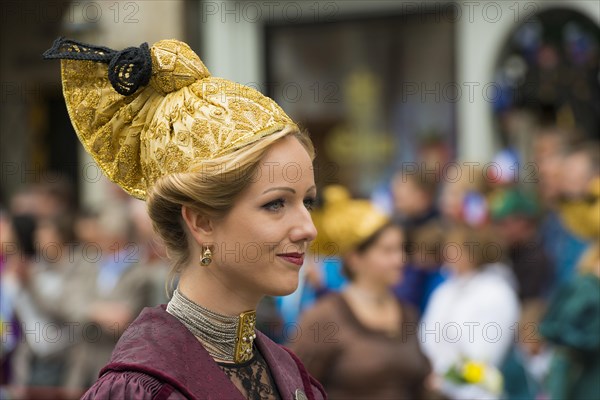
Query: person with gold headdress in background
361, 342
209, 158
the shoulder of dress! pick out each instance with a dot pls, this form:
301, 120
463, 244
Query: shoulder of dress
318, 389
125, 385
132, 379
308, 381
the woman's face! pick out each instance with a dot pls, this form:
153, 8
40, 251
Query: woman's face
410, 200
459, 258
451, 200
260, 244
384, 260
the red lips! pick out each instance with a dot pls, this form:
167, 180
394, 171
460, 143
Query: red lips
294, 258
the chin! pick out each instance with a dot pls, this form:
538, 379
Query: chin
284, 287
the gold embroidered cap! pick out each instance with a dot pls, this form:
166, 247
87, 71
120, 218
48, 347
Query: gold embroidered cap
146, 112
344, 223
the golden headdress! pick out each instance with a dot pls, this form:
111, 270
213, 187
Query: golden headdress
344, 223
146, 112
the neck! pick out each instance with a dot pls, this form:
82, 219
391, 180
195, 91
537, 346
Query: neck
206, 289
376, 290
463, 272
226, 338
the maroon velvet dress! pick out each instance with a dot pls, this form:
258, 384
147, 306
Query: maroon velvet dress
159, 358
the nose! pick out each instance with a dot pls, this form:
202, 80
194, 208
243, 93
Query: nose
304, 229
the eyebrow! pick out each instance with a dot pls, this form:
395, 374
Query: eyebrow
288, 189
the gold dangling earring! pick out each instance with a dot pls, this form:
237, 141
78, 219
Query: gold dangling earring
206, 257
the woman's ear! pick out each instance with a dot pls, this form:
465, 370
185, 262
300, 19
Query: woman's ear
198, 225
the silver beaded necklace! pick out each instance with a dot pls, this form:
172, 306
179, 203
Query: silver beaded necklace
228, 338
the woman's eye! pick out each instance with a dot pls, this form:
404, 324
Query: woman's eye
274, 205
309, 203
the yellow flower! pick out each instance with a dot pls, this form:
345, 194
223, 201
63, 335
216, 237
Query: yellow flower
473, 372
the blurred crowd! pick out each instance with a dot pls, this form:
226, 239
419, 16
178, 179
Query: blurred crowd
71, 282
499, 289
485, 284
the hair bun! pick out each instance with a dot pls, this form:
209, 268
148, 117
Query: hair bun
174, 66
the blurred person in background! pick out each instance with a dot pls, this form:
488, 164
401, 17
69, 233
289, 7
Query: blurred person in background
361, 342
414, 191
86, 228
470, 317
580, 188
51, 195
25, 201
119, 289
25, 208
550, 149
515, 216
572, 322
451, 201
525, 369
56, 195
199, 151
51, 298
6, 310
581, 166
151, 251
17, 248
549, 144
457, 194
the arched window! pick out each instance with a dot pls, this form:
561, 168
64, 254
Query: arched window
549, 68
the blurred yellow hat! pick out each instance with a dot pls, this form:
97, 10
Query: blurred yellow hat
344, 223
146, 112
582, 216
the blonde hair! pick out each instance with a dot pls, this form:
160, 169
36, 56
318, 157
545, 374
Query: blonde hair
210, 188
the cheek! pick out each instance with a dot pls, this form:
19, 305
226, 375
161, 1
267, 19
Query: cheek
380, 261
245, 228
401, 193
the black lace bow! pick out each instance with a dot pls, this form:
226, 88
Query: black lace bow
128, 69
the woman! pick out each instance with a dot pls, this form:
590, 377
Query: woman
471, 317
228, 181
361, 342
